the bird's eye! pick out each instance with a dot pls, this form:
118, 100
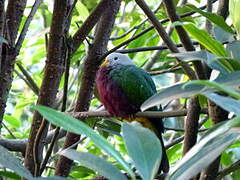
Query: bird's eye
115, 58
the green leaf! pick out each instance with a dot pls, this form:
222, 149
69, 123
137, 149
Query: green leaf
221, 35
216, 86
95, 163
234, 6
227, 103
206, 150
206, 40
82, 10
3, 40
210, 59
214, 18
230, 80
76, 126
12, 162
144, 148
9, 174
16, 123
233, 49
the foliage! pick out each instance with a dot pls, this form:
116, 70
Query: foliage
108, 146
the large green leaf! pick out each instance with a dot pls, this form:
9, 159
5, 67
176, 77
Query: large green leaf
206, 150
73, 125
227, 103
233, 49
210, 59
144, 148
82, 10
95, 163
206, 40
234, 6
211, 84
230, 80
214, 18
12, 162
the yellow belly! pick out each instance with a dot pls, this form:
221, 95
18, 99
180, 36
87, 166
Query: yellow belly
143, 121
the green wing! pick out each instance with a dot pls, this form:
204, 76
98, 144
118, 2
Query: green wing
135, 82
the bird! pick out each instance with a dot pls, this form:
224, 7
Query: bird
122, 88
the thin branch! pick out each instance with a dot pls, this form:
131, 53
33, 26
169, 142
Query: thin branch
149, 114
174, 142
23, 33
29, 79
152, 48
235, 166
25, 80
88, 24
19, 145
133, 28
145, 31
165, 71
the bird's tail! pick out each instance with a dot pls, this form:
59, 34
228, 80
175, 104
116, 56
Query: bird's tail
164, 166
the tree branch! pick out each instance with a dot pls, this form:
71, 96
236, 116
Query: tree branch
29, 79
152, 48
19, 145
14, 15
182, 34
164, 36
23, 33
92, 62
145, 31
88, 25
53, 72
2, 23
149, 114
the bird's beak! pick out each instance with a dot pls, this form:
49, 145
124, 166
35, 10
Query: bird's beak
105, 63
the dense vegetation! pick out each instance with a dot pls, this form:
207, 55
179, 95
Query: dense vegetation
50, 52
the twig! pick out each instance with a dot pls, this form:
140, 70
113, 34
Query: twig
29, 79
8, 130
145, 31
23, 33
49, 151
165, 71
152, 48
182, 130
25, 80
235, 166
133, 28
19, 145
174, 142
161, 31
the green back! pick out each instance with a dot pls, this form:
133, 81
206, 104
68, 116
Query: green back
135, 82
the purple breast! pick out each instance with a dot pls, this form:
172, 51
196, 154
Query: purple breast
112, 96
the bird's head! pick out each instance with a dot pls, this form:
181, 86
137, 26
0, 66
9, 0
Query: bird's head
114, 59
